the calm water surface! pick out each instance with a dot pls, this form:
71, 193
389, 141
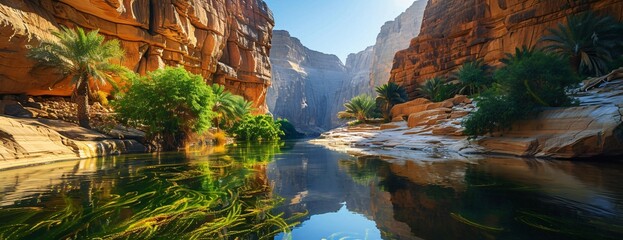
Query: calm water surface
300, 191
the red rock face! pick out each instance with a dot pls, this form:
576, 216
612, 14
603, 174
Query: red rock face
196, 34
454, 32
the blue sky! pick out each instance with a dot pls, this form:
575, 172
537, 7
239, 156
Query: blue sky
337, 27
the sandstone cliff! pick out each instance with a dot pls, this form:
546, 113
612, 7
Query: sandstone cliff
306, 85
227, 41
454, 32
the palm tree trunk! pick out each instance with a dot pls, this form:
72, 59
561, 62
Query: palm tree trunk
83, 102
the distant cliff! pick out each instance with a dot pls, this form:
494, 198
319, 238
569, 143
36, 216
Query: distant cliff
371, 67
454, 32
332, 80
227, 41
305, 85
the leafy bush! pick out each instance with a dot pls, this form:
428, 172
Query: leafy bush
257, 128
288, 129
473, 78
437, 90
588, 41
169, 105
389, 94
361, 107
531, 80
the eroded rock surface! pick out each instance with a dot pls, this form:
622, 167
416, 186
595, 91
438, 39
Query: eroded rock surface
454, 32
35, 141
197, 34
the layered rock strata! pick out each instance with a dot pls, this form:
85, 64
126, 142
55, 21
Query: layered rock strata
226, 41
36, 141
454, 32
306, 85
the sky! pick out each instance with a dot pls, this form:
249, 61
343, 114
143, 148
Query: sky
337, 27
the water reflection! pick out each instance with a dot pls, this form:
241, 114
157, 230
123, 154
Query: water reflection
300, 191
170, 196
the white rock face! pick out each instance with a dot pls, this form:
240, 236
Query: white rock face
305, 85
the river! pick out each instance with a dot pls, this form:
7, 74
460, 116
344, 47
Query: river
296, 190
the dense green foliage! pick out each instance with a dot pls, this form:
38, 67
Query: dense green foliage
83, 56
228, 107
289, 131
530, 81
257, 128
437, 90
389, 94
169, 104
473, 78
588, 41
361, 107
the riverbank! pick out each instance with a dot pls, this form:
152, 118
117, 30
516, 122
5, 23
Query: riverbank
432, 131
32, 141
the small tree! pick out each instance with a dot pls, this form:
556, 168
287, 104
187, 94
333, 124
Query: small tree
390, 94
588, 41
169, 105
360, 107
83, 57
228, 107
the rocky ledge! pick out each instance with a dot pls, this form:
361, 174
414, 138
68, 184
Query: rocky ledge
431, 131
36, 141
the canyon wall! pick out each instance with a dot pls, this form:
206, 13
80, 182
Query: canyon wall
454, 32
226, 41
371, 67
305, 85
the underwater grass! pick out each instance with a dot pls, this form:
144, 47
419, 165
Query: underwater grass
227, 200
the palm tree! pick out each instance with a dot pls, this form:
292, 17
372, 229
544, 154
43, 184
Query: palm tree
390, 94
228, 107
360, 107
472, 77
83, 57
588, 41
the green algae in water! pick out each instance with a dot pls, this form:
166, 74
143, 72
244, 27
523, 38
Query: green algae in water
169, 201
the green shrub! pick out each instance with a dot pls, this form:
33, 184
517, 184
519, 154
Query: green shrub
289, 130
531, 80
473, 78
168, 104
257, 128
389, 94
437, 90
361, 107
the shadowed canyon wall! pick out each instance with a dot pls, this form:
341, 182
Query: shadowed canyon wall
305, 85
226, 41
301, 82
454, 32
